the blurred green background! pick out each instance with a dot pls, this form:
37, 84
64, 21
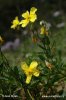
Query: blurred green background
53, 11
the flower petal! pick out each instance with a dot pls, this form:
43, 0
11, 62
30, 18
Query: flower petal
33, 65
13, 26
24, 22
33, 17
42, 30
28, 79
33, 10
36, 73
16, 18
26, 14
24, 67
15, 23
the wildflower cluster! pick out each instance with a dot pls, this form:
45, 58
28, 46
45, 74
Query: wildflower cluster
42, 70
27, 17
46, 56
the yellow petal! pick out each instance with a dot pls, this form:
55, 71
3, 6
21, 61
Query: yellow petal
24, 67
36, 73
28, 79
42, 30
33, 10
26, 14
33, 65
16, 18
13, 26
33, 17
15, 23
24, 22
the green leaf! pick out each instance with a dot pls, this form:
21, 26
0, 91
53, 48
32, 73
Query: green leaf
41, 57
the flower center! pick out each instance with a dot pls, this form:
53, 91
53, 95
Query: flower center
30, 71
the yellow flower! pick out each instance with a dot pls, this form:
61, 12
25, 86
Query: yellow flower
48, 64
1, 40
15, 23
43, 30
28, 17
30, 70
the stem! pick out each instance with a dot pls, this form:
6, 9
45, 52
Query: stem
30, 95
